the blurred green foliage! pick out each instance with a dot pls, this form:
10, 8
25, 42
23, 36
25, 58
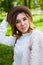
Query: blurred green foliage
8, 4
38, 21
6, 55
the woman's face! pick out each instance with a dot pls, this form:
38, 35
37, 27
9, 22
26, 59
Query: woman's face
22, 22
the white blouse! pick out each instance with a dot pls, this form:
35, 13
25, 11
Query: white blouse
20, 48
10, 41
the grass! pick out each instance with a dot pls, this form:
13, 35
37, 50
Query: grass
6, 54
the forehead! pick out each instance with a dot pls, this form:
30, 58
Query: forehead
21, 15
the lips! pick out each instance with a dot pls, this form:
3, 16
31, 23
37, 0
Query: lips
23, 28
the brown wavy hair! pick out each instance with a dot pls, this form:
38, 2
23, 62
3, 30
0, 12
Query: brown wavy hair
11, 19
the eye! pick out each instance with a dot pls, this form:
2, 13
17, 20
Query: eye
17, 21
24, 19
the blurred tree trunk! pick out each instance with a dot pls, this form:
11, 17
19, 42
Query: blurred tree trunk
29, 3
25, 2
40, 3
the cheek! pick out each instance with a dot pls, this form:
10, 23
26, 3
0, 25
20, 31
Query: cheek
27, 23
18, 26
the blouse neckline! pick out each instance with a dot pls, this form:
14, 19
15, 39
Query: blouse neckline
25, 34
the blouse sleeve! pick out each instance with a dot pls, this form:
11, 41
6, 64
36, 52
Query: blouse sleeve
3, 27
7, 40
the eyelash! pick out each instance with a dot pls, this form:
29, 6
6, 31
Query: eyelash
17, 21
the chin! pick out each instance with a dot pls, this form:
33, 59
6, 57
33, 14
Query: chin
24, 31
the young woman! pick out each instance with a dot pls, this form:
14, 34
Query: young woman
26, 39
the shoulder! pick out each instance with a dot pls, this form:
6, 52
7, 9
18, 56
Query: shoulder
37, 34
37, 31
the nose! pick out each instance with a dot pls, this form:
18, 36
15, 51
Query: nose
22, 23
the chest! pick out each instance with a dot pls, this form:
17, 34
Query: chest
21, 44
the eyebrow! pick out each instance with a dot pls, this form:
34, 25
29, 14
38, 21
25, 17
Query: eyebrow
22, 18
